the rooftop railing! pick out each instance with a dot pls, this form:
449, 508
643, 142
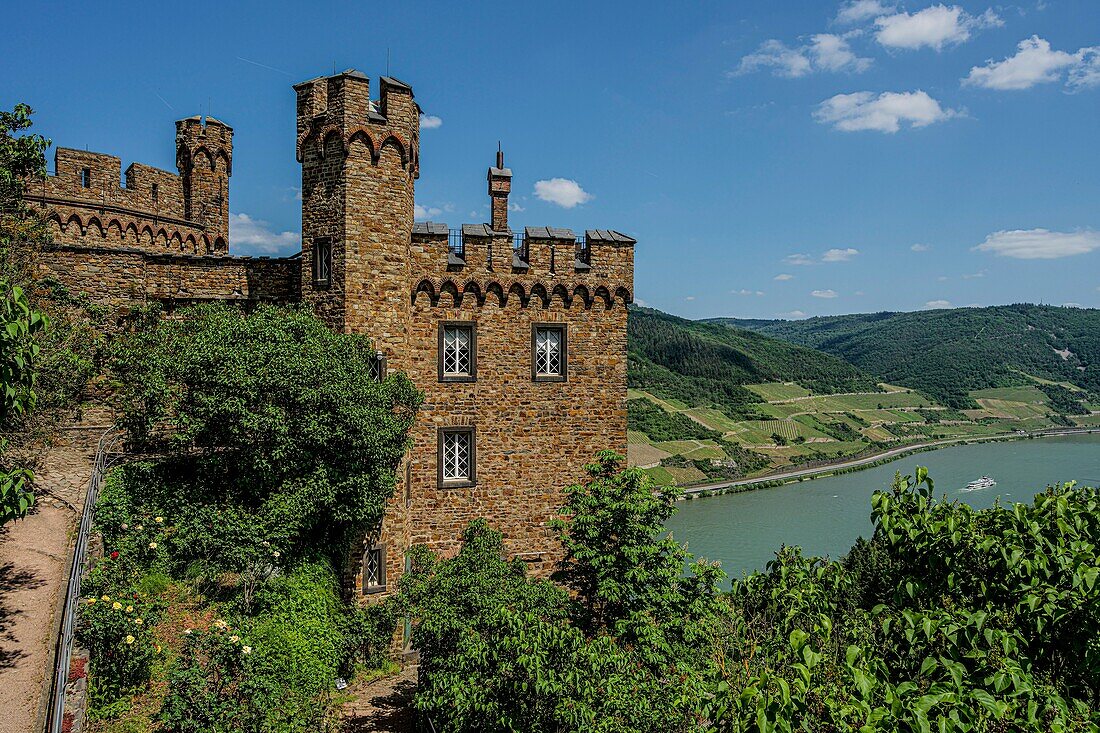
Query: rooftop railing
456, 245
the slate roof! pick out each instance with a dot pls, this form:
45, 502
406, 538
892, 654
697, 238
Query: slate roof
480, 230
429, 227
608, 235
548, 233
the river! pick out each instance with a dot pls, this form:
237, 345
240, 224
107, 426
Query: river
825, 516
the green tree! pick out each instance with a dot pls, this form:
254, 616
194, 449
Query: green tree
19, 350
70, 348
22, 156
272, 428
630, 647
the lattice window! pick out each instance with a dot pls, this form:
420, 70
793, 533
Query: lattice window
457, 351
374, 569
377, 366
322, 261
548, 352
457, 455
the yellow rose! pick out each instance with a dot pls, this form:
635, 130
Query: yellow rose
246, 649
105, 597
91, 601
234, 638
159, 520
129, 609
138, 621
129, 639
152, 545
116, 605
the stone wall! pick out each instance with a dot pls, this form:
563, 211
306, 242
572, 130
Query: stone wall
119, 278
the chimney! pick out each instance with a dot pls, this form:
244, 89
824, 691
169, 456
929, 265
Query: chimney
500, 185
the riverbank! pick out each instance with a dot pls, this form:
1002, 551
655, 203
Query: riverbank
848, 466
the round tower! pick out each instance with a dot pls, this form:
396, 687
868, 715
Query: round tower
204, 156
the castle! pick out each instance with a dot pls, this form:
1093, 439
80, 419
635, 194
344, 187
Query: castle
517, 340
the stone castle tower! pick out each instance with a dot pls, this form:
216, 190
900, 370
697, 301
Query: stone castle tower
204, 157
516, 338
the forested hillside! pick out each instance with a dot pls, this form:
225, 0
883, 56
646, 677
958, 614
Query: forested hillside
708, 364
949, 353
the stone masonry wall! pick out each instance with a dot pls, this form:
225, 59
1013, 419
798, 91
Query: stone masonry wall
119, 278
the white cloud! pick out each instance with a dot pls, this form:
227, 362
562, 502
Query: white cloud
1087, 73
779, 57
798, 259
920, 247
938, 304
783, 276
639, 301
430, 122
563, 192
792, 314
248, 236
839, 255
935, 26
425, 212
746, 291
831, 52
974, 275
857, 11
882, 113
824, 294
1072, 305
1036, 63
825, 52
690, 298
1040, 244
515, 207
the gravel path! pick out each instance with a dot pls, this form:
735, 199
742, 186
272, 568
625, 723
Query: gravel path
383, 705
34, 558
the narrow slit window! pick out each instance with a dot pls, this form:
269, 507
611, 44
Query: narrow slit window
322, 261
86, 177
374, 570
457, 352
156, 192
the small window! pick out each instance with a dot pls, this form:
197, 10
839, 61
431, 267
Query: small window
374, 570
377, 366
548, 352
156, 192
457, 352
322, 261
86, 177
456, 457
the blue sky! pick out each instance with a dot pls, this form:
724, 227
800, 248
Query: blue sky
774, 159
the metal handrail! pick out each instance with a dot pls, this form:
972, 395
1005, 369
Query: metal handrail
456, 243
519, 246
55, 715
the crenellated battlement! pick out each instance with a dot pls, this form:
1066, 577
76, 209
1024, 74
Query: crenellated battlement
87, 201
540, 260
336, 111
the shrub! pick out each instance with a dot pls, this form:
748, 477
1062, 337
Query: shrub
273, 673
116, 631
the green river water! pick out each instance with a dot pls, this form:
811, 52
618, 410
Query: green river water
825, 516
